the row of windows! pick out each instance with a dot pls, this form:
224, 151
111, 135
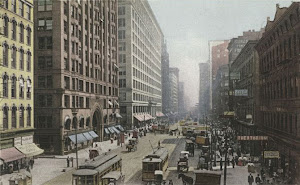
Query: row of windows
141, 86
13, 30
14, 87
284, 122
14, 118
21, 6
13, 61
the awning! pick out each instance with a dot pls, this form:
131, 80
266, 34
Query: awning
10, 154
88, 136
159, 114
120, 128
1, 162
116, 103
118, 115
116, 130
109, 102
111, 130
80, 138
139, 117
93, 134
106, 131
30, 150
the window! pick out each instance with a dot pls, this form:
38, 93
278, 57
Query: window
5, 85
66, 63
14, 116
21, 59
45, 81
13, 6
67, 101
28, 92
87, 102
45, 42
121, 22
66, 45
121, 10
28, 61
5, 25
21, 86
45, 24
5, 55
13, 86
28, 12
44, 5
13, 57
45, 62
14, 30
5, 117
67, 82
21, 33
121, 34
28, 36
21, 8
5, 4
122, 46
28, 116
21, 116
44, 100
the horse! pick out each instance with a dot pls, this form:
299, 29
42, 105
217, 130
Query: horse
186, 180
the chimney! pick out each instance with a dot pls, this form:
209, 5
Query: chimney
277, 6
268, 18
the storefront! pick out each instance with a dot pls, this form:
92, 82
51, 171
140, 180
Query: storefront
83, 139
11, 159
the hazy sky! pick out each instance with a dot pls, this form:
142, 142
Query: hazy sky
188, 25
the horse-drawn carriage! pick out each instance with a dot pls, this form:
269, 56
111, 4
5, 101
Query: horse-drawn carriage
183, 162
189, 146
132, 145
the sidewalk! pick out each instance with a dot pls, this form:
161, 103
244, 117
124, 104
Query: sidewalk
48, 167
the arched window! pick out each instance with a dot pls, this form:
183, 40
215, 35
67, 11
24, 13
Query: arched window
5, 55
21, 86
5, 85
28, 91
13, 86
74, 123
21, 59
5, 117
14, 30
87, 124
81, 123
6, 20
29, 116
21, 110
14, 116
28, 61
67, 123
21, 33
28, 35
13, 56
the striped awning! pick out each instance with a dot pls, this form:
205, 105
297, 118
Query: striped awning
93, 134
10, 154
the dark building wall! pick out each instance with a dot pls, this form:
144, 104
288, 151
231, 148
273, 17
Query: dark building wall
204, 89
219, 57
165, 65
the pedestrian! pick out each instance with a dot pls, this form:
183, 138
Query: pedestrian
72, 161
257, 179
228, 162
68, 161
232, 162
158, 144
263, 177
250, 179
28, 168
221, 164
31, 163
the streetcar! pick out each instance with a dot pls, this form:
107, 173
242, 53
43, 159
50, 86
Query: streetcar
155, 161
93, 171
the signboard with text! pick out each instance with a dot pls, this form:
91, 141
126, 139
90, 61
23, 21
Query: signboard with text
241, 92
235, 75
17, 141
271, 154
27, 140
252, 138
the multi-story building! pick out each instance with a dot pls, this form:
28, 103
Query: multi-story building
204, 89
219, 57
246, 97
165, 80
174, 82
16, 95
220, 92
181, 100
279, 70
76, 72
140, 47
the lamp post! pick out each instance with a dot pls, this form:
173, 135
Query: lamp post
74, 113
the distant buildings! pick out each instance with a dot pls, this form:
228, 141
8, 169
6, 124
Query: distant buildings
174, 84
181, 99
279, 70
16, 87
140, 48
76, 73
219, 57
204, 89
165, 80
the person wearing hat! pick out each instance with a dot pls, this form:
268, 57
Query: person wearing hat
250, 179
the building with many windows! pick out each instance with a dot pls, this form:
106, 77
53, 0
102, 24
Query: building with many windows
76, 73
165, 80
279, 75
174, 85
204, 89
16, 95
140, 47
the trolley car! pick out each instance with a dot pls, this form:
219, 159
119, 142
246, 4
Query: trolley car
93, 171
155, 161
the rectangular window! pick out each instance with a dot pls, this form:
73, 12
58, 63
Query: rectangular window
28, 12
13, 6
67, 82
21, 8
121, 34
44, 5
28, 36
28, 61
67, 101
41, 82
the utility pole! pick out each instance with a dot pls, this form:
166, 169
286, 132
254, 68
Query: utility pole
74, 112
225, 161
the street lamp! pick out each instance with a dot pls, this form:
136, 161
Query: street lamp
74, 113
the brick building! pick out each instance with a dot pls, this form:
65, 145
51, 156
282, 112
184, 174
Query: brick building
219, 57
279, 63
76, 72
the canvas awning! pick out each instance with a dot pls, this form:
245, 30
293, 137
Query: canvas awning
93, 134
111, 130
88, 136
118, 115
80, 138
110, 103
30, 150
159, 114
106, 131
116, 102
116, 130
120, 128
10, 154
139, 117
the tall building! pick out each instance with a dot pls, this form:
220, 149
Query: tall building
16, 95
165, 80
219, 57
174, 84
140, 47
279, 75
204, 89
181, 99
76, 73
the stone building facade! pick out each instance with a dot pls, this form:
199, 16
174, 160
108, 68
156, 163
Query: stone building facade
204, 89
76, 72
165, 65
174, 84
140, 48
279, 70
